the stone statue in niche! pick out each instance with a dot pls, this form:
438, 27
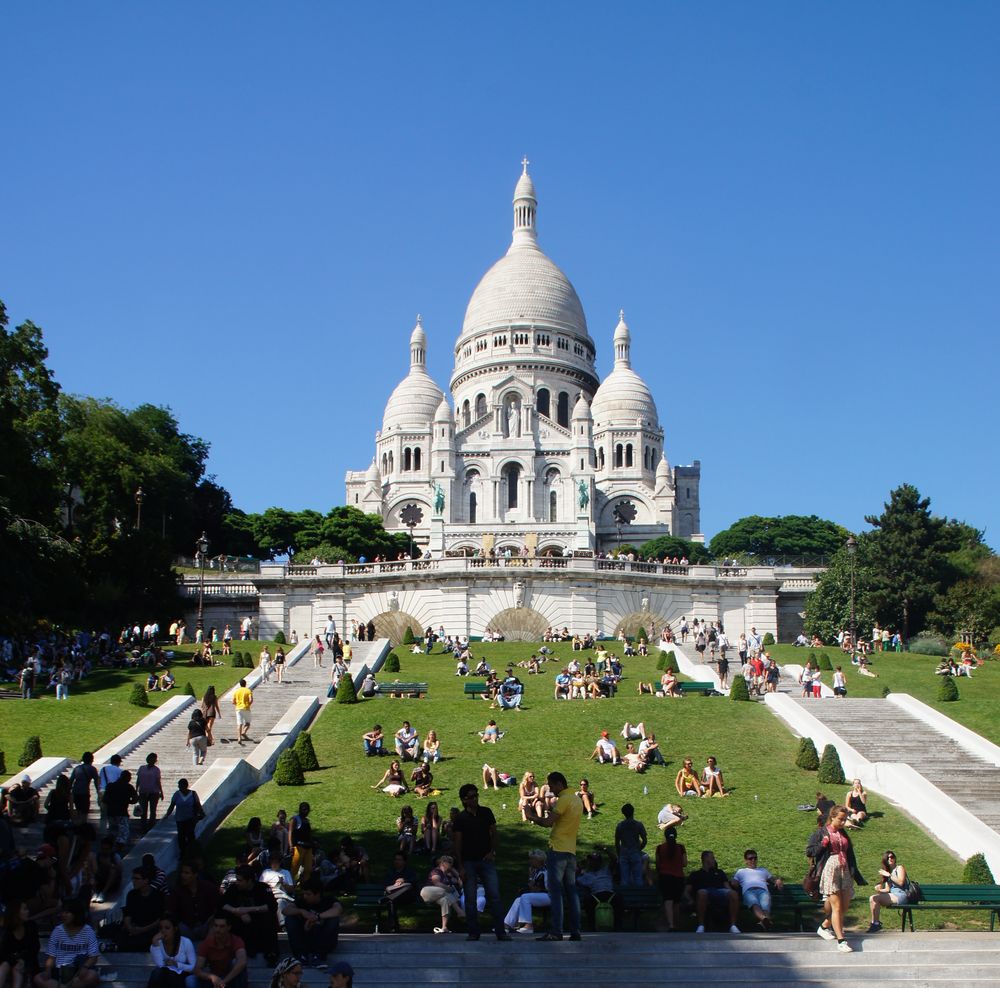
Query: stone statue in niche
584, 494
519, 594
393, 600
644, 606
513, 420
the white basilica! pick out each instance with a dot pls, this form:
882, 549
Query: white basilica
533, 452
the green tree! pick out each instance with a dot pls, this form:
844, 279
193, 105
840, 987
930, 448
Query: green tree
738, 689
907, 561
668, 546
346, 691
808, 757
31, 752
947, 690
831, 772
304, 750
288, 771
977, 871
828, 607
786, 535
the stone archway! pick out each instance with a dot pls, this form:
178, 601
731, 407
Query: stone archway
631, 623
519, 624
393, 625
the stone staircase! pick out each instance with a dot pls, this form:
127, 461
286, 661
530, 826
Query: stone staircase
883, 732
640, 961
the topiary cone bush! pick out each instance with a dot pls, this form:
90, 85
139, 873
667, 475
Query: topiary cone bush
831, 772
391, 663
808, 756
977, 871
235, 660
768, 640
189, 690
137, 696
824, 662
346, 693
886, 691
641, 635
305, 752
279, 638
32, 751
407, 635
669, 662
947, 689
738, 689
288, 771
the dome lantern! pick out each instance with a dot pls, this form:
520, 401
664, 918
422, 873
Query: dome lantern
418, 345
622, 342
525, 208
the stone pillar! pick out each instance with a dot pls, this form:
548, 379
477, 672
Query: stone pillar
762, 611
436, 544
584, 532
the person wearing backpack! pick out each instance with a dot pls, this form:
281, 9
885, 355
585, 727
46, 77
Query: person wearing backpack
893, 890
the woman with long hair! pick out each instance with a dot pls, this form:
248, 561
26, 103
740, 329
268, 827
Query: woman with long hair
18, 946
671, 861
210, 710
833, 860
173, 956
893, 890
527, 795
430, 827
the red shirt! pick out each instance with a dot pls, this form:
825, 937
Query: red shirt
219, 958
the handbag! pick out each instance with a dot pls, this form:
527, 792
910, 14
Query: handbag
810, 884
914, 893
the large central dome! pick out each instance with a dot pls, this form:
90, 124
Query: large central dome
524, 286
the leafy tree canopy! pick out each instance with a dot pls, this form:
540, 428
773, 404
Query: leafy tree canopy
668, 546
786, 535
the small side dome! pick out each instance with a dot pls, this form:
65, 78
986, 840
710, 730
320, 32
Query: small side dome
443, 413
372, 475
414, 401
418, 337
525, 188
622, 335
581, 410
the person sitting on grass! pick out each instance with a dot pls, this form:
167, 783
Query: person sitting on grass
634, 732
373, 740
432, 748
632, 759
753, 883
167, 681
444, 886
562, 685
586, 796
407, 742
422, 780
393, 782
686, 782
649, 748
645, 688
606, 751
527, 795
856, 802
152, 683
491, 777
711, 779
491, 734
430, 827
669, 684
406, 827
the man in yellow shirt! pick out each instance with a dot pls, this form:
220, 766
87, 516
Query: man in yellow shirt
560, 862
242, 701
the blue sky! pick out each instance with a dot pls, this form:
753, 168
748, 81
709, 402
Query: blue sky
238, 209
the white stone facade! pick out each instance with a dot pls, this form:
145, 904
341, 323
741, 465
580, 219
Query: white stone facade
533, 452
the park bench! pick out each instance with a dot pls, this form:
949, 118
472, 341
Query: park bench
399, 689
474, 690
637, 900
982, 897
794, 899
705, 688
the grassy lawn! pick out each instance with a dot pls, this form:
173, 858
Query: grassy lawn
907, 672
755, 751
98, 708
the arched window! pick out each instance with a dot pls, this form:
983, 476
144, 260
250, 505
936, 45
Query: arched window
618, 455
645, 457
391, 464
562, 409
512, 478
385, 464
416, 457
553, 506
466, 413
628, 455
542, 402
407, 459
480, 406
472, 507
600, 458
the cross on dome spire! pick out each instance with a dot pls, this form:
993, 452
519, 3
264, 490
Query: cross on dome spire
622, 341
524, 165
525, 206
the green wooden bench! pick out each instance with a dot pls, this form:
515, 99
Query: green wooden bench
794, 899
370, 897
474, 690
637, 900
704, 688
982, 897
419, 690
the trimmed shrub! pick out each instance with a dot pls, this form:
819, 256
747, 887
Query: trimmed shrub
3, 763
947, 689
247, 662
346, 693
928, 645
885, 691
304, 750
831, 772
641, 635
768, 640
977, 871
824, 662
812, 657
137, 696
670, 662
808, 756
391, 663
33, 750
407, 635
236, 660
288, 771
189, 690
279, 638
738, 689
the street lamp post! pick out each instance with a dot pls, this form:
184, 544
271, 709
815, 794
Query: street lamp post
852, 549
202, 545
139, 496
